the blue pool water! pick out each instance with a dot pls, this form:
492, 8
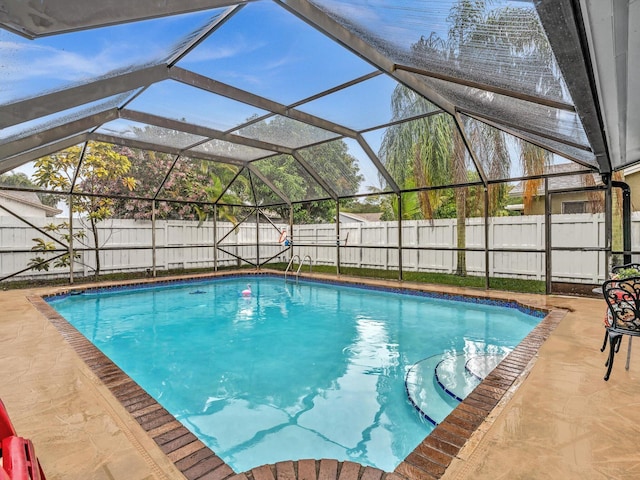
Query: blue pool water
307, 370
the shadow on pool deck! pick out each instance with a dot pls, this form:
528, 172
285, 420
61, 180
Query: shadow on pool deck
527, 419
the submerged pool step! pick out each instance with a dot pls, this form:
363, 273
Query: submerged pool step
454, 379
437, 384
424, 392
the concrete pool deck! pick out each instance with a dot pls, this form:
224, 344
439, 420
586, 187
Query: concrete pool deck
557, 419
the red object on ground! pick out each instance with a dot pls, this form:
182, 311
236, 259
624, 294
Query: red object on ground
6, 427
19, 459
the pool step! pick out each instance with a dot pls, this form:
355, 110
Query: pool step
424, 392
437, 384
452, 376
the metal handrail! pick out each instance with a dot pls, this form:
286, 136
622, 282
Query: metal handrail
301, 265
290, 263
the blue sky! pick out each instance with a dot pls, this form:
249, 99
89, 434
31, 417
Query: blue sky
262, 49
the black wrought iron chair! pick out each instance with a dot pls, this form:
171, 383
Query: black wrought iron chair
623, 301
626, 266
607, 319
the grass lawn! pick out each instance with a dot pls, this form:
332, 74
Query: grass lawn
507, 284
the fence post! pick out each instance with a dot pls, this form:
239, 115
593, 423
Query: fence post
386, 250
418, 256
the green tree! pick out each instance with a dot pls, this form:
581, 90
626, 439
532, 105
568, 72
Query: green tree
158, 175
90, 174
21, 179
44, 247
204, 182
331, 161
16, 179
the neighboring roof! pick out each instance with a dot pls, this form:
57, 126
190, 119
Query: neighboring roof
564, 182
362, 217
31, 199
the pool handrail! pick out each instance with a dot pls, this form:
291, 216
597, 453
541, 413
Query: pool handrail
293, 257
300, 265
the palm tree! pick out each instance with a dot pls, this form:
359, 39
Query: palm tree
430, 151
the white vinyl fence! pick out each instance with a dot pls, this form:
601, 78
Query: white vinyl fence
427, 246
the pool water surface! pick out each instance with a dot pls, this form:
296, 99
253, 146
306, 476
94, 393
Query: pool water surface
293, 370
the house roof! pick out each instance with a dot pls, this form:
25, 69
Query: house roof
562, 182
362, 217
31, 199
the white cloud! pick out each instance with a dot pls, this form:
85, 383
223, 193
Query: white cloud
211, 51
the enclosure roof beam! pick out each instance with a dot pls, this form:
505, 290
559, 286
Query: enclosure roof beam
350, 83
506, 125
199, 130
532, 139
40, 19
376, 161
325, 24
219, 21
32, 108
132, 143
205, 83
467, 145
488, 88
56, 133
39, 152
563, 24
314, 174
268, 182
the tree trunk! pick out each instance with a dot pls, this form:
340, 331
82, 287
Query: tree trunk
460, 176
461, 230
96, 244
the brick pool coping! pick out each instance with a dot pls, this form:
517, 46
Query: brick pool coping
429, 460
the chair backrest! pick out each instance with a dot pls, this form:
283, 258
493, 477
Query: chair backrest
623, 300
617, 268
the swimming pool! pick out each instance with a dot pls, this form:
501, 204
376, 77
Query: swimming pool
306, 370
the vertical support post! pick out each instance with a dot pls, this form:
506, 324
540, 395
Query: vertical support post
487, 283
626, 219
400, 236
215, 238
608, 223
153, 238
71, 254
547, 237
338, 236
626, 223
